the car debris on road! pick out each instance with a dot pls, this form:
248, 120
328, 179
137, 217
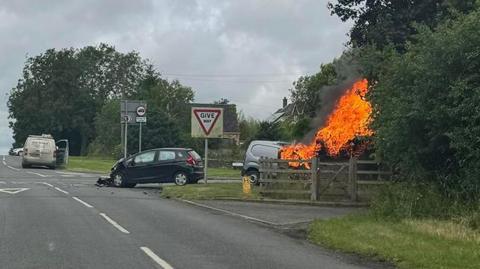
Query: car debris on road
104, 181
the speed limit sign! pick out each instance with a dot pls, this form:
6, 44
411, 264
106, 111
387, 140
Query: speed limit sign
141, 111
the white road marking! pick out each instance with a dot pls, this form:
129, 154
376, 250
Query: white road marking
60, 190
3, 182
16, 169
3, 157
155, 258
82, 202
114, 223
4, 163
48, 184
228, 212
33, 173
13, 190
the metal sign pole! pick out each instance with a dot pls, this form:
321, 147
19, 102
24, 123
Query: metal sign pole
140, 138
126, 138
205, 168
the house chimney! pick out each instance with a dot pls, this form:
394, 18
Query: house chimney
285, 102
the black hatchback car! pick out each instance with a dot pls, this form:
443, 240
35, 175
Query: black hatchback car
162, 165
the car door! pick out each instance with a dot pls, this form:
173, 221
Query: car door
62, 152
167, 165
142, 168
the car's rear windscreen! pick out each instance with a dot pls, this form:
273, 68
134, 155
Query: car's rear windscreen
195, 155
40, 144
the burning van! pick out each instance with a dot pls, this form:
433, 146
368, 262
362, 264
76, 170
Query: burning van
346, 130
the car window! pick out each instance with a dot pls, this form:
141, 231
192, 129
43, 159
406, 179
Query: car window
264, 151
146, 157
166, 155
181, 155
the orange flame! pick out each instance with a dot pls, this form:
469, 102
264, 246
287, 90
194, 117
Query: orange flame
349, 119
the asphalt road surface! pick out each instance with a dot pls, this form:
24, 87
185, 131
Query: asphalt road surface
54, 219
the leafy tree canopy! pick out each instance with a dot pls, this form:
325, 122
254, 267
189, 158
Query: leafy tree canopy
383, 22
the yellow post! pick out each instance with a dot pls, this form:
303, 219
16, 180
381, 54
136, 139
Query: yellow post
246, 185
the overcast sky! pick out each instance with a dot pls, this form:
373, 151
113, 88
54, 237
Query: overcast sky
247, 51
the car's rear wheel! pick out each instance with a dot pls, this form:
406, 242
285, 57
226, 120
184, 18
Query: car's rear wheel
180, 178
253, 176
24, 165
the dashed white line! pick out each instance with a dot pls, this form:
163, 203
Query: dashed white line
155, 258
4, 163
60, 190
13, 168
3, 157
3, 182
82, 202
48, 184
33, 173
114, 223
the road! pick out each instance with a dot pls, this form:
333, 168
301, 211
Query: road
53, 219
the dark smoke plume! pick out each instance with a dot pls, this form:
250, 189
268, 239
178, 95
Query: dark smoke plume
347, 73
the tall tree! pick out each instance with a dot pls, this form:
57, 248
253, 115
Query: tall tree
61, 91
383, 22
426, 117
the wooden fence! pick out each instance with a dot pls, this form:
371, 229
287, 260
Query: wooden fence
320, 180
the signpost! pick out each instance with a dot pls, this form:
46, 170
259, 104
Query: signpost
132, 112
207, 122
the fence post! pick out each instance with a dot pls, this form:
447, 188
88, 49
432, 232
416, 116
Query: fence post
352, 178
315, 180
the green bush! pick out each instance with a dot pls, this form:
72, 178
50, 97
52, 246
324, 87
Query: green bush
418, 200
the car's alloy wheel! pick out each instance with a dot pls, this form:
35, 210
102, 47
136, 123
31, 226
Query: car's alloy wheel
254, 177
180, 178
118, 180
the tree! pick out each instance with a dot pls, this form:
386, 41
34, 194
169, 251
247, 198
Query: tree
61, 91
307, 89
168, 115
384, 22
426, 117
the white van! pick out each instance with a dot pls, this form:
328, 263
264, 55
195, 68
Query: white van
39, 150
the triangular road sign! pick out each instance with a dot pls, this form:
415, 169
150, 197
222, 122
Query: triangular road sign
13, 190
207, 118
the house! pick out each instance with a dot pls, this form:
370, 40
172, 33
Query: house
287, 111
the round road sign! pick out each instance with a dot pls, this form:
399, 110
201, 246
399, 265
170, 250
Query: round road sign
141, 111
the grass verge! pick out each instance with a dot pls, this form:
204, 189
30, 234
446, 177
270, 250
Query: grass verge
408, 243
89, 164
223, 172
207, 191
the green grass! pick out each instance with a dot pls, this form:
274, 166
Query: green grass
428, 244
207, 191
89, 164
223, 172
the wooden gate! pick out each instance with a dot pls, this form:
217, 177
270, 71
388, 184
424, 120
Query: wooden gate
330, 181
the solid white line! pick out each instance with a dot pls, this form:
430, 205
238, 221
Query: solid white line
60, 190
82, 202
155, 258
16, 169
48, 184
114, 223
228, 212
33, 173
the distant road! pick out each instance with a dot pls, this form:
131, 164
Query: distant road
52, 219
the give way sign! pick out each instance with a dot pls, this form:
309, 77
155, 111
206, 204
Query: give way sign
207, 122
